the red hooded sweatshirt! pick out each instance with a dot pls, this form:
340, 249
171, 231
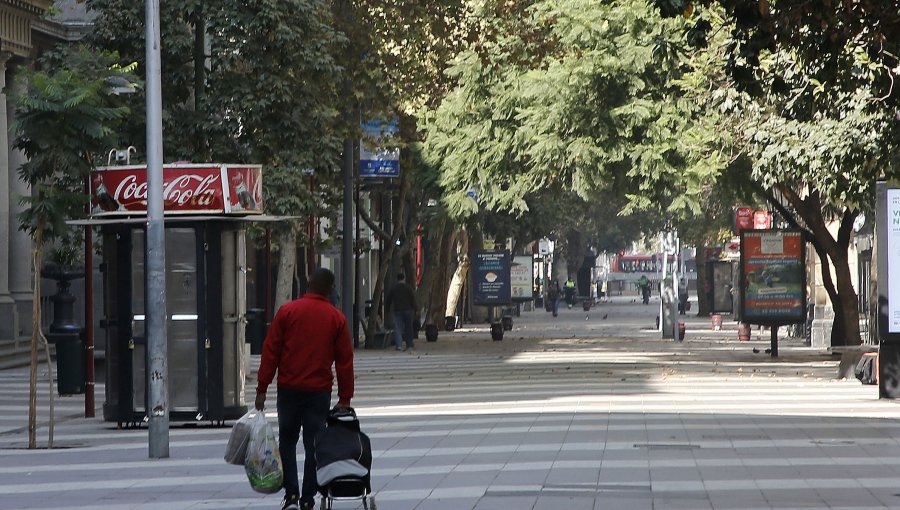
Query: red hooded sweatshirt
307, 337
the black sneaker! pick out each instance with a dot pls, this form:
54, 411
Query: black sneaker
291, 502
306, 505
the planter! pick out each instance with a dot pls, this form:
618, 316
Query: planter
744, 332
431, 332
496, 331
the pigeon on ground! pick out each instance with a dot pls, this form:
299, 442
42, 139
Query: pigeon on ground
605, 315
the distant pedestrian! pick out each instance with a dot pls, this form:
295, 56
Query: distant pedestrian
402, 298
569, 290
307, 337
553, 296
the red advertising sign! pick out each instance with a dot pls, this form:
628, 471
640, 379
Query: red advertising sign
762, 220
743, 219
187, 189
773, 277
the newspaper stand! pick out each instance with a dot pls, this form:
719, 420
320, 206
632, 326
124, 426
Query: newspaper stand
207, 208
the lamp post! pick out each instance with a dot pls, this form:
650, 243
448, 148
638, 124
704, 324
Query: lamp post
157, 405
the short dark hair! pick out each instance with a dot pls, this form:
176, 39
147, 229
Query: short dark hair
401, 276
321, 281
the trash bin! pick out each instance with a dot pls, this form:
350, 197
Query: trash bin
256, 329
69, 362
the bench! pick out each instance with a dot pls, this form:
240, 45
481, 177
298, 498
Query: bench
850, 356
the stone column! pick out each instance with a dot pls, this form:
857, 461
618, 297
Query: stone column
7, 309
21, 275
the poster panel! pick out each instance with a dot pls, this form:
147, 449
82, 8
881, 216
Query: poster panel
891, 224
773, 277
375, 160
521, 277
187, 189
491, 277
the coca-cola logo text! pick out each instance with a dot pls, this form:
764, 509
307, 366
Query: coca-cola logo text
184, 189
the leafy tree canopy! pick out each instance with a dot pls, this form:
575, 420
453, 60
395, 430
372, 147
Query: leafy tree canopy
575, 97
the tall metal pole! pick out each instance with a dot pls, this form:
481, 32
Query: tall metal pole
155, 286
89, 368
347, 241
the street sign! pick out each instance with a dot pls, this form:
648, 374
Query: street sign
374, 159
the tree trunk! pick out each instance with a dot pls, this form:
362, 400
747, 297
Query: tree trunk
433, 291
702, 297
287, 259
35, 333
454, 292
833, 253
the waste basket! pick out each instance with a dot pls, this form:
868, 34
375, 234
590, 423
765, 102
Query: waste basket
256, 329
69, 362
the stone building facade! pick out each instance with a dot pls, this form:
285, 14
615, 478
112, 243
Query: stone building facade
27, 27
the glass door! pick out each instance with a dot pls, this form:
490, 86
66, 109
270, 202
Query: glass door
182, 320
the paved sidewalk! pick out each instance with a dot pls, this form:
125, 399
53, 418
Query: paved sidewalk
578, 412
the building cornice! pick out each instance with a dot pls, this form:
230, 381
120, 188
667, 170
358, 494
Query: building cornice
34, 7
16, 20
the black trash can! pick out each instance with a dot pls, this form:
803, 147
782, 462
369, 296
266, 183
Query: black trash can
69, 362
256, 329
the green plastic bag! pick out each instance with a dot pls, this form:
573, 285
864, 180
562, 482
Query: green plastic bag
263, 462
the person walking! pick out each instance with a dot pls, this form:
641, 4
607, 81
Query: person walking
403, 299
553, 297
307, 337
643, 284
569, 289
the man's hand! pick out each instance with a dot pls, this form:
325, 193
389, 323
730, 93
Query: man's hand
343, 403
260, 400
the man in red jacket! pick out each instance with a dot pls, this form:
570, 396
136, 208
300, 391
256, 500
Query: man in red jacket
307, 337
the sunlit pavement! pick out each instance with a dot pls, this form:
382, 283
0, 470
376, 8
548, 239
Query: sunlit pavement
589, 410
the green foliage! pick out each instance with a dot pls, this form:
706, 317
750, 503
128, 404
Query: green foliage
119, 27
67, 116
273, 97
578, 112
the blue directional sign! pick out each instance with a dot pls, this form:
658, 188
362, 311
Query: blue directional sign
375, 160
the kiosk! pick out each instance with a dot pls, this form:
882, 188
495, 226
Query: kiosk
206, 210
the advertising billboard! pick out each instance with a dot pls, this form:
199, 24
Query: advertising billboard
521, 277
187, 189
491, 277
888, 234
773, 277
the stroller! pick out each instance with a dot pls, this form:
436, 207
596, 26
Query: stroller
343, 460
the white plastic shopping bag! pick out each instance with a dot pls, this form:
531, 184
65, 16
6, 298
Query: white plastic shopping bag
263, 462
236, 449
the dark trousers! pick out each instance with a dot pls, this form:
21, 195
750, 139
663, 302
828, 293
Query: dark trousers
403, 328
306, 410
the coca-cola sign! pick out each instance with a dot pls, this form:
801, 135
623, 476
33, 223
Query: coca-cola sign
187, 189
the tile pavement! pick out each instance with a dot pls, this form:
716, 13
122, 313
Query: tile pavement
574, 413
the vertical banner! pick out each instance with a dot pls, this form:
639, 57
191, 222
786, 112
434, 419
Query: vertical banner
773, 277
374, 159
521, 277
491, 278
743, 219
